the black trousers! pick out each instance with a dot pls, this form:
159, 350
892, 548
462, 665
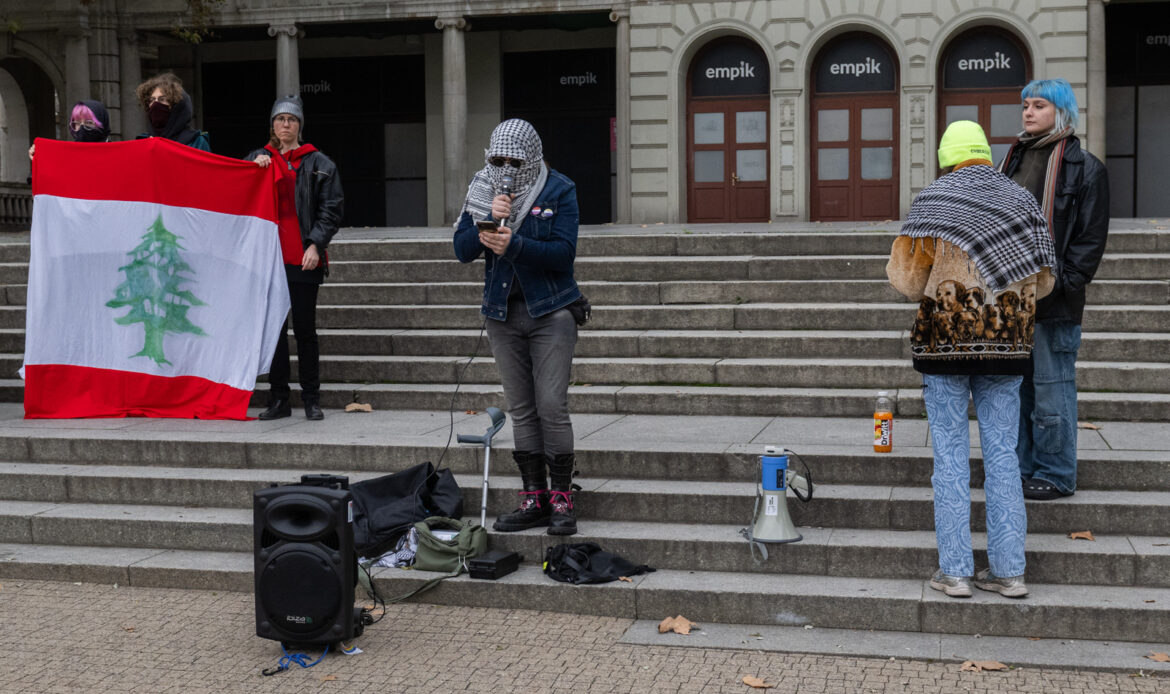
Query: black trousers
303, 296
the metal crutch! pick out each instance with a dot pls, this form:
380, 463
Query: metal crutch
498, 420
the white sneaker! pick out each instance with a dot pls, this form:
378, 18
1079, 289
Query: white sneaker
954, 586
1008, 586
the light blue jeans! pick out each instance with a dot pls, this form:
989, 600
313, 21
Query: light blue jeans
1047, 448
997, 405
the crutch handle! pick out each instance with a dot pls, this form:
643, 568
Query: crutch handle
468, 438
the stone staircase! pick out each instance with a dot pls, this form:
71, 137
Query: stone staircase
705, 346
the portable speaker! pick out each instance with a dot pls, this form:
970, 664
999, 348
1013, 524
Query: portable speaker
306, 569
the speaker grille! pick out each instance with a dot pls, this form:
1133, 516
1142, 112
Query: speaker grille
300, 591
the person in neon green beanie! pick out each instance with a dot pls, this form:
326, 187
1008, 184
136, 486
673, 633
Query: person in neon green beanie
972, 252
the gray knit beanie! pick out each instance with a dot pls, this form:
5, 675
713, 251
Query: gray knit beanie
291, 105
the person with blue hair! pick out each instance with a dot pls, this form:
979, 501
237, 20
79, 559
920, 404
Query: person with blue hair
1072, 188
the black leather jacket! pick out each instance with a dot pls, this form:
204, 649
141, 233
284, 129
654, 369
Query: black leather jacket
1080, 225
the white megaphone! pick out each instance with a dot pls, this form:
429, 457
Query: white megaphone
772, 523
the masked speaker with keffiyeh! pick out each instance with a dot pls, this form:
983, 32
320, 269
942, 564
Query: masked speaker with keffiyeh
521, 216
975, 253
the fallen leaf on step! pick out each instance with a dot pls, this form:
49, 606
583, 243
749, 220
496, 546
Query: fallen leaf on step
1082, 535
1159, 657
329, 678
679, 625
1088, 425
1151, 601
359, 407
1035, 638
627, 579
470, 412
130, 629
756, 682
1162, 544
981, 665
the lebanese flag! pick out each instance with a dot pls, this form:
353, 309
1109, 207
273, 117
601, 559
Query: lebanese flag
155, 282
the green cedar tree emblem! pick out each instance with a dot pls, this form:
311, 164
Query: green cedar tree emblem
152, 290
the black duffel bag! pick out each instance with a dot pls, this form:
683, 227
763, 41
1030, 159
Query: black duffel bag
386, 507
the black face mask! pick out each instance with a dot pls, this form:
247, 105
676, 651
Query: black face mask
159, 115
88, 135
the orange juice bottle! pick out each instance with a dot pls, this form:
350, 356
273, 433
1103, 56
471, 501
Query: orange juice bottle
883, 423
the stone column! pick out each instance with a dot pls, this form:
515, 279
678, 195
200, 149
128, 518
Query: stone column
454, 115
130, 69
1096, 87
622, 162
104, 65
288, 69
76, 69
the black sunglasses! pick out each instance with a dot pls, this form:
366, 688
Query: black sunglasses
500, 161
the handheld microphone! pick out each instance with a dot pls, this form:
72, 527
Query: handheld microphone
506, 182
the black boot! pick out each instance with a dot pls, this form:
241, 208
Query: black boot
313, 408
561, 472
277, 409
534, 509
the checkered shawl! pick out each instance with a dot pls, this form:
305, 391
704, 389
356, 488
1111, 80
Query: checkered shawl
515, 139
989, 216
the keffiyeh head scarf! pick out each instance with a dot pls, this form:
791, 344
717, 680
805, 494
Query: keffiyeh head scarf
512, 139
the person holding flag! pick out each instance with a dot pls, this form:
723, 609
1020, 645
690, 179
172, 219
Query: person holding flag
310, 204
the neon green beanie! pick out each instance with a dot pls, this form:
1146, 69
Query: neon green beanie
964, 140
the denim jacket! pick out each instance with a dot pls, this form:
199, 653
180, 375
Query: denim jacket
540, 254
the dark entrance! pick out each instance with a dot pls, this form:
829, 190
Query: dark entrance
1137, 142
570, 98
982, 73
854, 119
727, 134
367, 114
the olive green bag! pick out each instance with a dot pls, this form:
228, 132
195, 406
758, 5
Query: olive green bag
450, 556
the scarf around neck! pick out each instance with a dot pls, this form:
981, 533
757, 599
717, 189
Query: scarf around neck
996, 222
1055, 159
513, 139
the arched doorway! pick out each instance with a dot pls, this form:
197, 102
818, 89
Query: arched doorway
982, 72
854, 131
27, 111
727, 133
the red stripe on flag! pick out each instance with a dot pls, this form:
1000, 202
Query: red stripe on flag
154, 170
60, 391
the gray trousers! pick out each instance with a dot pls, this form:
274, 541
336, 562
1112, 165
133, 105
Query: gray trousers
534, 357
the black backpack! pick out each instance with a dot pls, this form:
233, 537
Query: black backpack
585, 562
386, 507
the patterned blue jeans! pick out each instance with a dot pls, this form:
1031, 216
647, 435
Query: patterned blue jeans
997, 406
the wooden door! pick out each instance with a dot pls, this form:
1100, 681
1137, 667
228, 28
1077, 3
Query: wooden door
854, 157
727, 161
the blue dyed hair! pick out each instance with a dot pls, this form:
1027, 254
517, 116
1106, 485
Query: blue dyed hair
1059, 93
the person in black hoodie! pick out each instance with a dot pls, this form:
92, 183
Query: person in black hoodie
170, 110
89, 122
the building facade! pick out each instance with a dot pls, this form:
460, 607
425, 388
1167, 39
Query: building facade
754, 110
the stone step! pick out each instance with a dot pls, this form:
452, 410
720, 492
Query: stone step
689, 400
641, 501
84, 509
1114, 613
792, 316
1114, 456
1123, 266
730, 344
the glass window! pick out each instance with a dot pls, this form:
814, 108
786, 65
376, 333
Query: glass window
1006, 120
833, 164
708, 128
833, 125
708, 167
877, 163
751, 165
877, 123
751, 126
998, 152
955, 113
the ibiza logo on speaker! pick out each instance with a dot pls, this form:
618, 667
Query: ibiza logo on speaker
298, 619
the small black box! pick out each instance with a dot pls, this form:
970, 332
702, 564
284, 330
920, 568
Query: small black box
494, 564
